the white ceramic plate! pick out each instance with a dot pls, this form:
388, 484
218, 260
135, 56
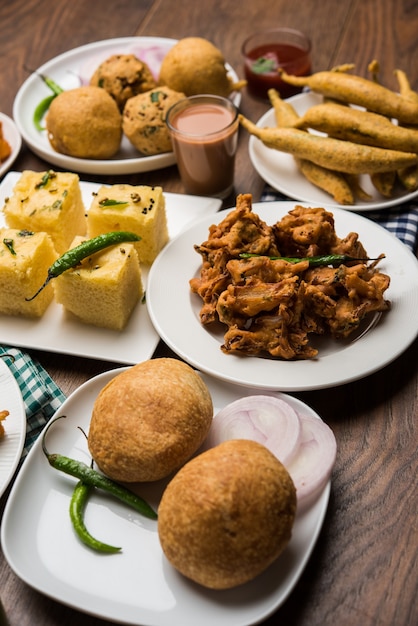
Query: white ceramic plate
174, 311
137, 586
11, 445
70, 70
58, 331
13, 138
279, 169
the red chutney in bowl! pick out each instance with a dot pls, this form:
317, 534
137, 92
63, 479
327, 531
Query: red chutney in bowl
264, 53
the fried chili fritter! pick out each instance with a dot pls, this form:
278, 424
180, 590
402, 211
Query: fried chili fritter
271, 306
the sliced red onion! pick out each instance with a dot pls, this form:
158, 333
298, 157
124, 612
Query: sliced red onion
268, 420
311, 468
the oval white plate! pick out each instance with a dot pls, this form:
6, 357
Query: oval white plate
174, 311
11, 445
137, 586
280, 171
13, 138
70, 70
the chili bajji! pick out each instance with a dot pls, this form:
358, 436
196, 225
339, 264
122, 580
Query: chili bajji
74, 256
345, 122
92, 478
326, 179
335, 154
360, 91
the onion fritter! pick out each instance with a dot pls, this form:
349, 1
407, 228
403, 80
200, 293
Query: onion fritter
271, 306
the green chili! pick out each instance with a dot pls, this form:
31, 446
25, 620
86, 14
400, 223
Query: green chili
9, 243
110, 202
77, 506
74, 256
44, 105
40, 110
314, 261
92, 478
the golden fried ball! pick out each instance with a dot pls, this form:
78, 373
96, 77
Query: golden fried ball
144, 120
84, 122
227, 514
123, 76
149, 420
195, 66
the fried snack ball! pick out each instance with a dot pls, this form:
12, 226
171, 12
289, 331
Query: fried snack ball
227, 514
149, 420
144, 122
84, 122
195, 66
123, 76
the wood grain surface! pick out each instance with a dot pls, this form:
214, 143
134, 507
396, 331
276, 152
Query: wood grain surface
364, 569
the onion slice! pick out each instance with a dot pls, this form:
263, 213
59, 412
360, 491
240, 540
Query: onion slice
311, 468
266, 419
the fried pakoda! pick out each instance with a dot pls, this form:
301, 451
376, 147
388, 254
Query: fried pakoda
3, 415
271, 306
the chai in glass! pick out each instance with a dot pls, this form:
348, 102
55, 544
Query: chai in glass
204, 133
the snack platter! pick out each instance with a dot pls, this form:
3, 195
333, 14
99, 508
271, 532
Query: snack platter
59, 332
281, 172
136, 586
73, 69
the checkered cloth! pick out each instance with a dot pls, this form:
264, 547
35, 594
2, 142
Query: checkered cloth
402, 221
41, 396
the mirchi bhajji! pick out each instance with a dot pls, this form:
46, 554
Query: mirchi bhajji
271, 306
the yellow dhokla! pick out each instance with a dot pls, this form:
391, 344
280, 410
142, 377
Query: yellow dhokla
104, 288
138, 209
25, 258
48, 202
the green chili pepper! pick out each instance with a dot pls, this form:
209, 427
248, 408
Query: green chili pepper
74, 256
44, 105
9, 243
49, 175
110, 202
77, 506
314, 261
40, 110
92, 478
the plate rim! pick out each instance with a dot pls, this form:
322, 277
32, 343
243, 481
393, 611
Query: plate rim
14, 138
203, 346
132, 165
318, 196
19, 420
317, 511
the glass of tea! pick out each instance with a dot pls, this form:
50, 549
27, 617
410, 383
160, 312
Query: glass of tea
204, 134
267, 51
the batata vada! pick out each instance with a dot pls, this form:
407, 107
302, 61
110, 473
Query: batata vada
195, 66
84, 122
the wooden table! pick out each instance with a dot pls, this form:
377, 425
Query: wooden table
364, 569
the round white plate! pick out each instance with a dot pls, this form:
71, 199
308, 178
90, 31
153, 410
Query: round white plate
280, 171
13, 138
174, 311
136, 586
74, 68
11, 445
